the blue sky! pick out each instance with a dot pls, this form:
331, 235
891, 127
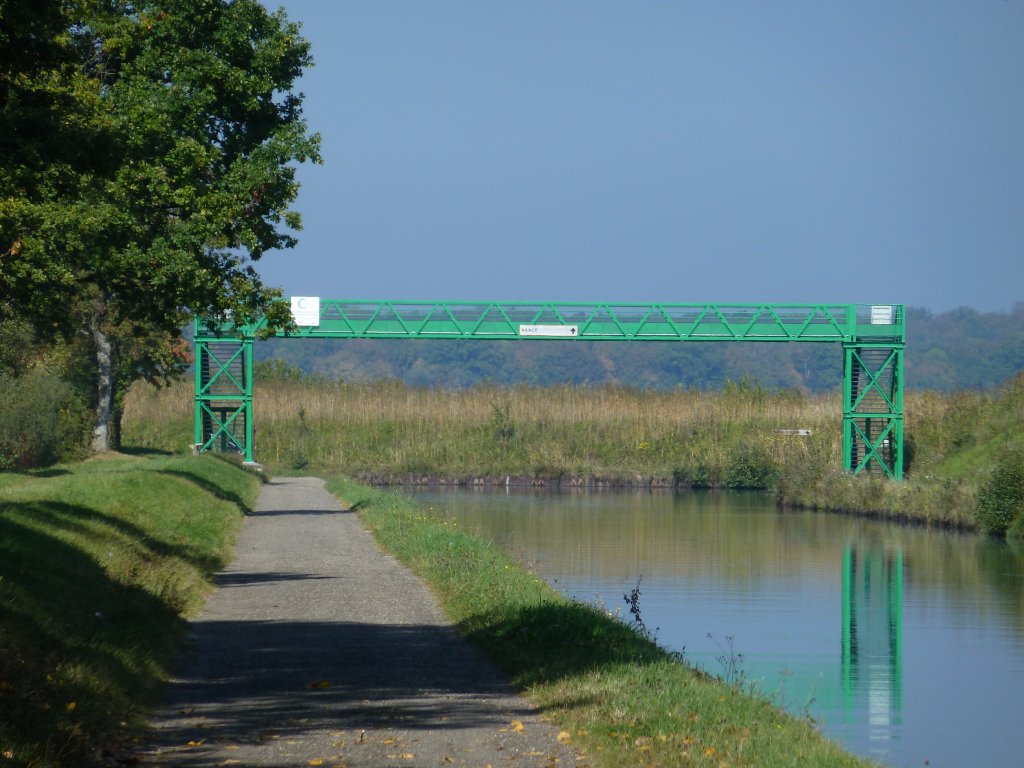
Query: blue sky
798, 151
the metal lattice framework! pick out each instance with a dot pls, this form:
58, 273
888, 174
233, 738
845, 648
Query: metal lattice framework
872, 336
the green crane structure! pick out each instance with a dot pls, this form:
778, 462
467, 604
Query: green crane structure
872, 338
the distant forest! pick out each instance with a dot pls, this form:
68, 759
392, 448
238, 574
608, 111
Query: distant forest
956, 350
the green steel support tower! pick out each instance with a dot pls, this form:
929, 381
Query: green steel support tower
872, 337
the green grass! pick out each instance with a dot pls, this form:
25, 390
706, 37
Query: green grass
620, 699
100, 563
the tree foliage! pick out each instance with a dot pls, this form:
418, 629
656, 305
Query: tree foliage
963, 348
149, 162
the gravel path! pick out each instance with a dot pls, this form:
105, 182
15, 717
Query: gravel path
318, 649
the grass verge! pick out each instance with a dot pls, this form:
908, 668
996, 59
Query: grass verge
100, 563
621, 699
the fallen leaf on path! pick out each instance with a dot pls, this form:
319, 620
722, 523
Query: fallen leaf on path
316, 761
196, 743
517, 726
564, 737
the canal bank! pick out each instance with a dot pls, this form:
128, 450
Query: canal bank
613, 691
905, 643
739, 438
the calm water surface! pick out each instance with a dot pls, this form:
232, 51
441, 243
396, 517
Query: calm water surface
905, 644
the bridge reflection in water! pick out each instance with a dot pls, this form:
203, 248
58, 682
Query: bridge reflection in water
872, 640
821, 606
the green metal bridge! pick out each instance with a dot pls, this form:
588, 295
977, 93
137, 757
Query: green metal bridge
872, 338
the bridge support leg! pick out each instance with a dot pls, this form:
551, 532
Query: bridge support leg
873, 409
223, 399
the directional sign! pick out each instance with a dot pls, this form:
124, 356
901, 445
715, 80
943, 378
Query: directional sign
306, 310
557, 331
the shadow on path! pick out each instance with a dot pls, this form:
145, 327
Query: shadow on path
260, 679
318, 647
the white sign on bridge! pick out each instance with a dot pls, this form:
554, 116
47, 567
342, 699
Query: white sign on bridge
557, 331
306, 310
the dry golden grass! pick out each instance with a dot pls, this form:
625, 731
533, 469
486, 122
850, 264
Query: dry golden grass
387, 428
388, 431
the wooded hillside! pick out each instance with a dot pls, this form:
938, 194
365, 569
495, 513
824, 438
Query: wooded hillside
960, 349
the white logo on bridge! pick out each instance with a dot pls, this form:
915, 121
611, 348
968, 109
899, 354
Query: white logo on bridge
557, 331
306, 310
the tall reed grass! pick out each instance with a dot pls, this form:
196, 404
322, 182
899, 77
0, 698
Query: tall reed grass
387, 430
740, 437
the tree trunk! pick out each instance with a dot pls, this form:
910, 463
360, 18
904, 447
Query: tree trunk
104, 388
114, 434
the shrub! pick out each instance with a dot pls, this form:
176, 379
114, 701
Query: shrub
502, 428
1016, 530
753, 466
798, 479
42, 420
696, 473
1001, 498
909, 453
277, 371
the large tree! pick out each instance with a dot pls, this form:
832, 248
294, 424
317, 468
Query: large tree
187, 132
47, 126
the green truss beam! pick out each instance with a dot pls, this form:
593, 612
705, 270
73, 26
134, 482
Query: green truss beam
872, 337
341, 319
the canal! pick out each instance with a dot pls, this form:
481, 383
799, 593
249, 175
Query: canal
903, 643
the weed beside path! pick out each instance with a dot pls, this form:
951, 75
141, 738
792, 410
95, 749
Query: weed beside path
100, 563
616, 695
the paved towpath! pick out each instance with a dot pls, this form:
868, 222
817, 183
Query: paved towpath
318, 649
